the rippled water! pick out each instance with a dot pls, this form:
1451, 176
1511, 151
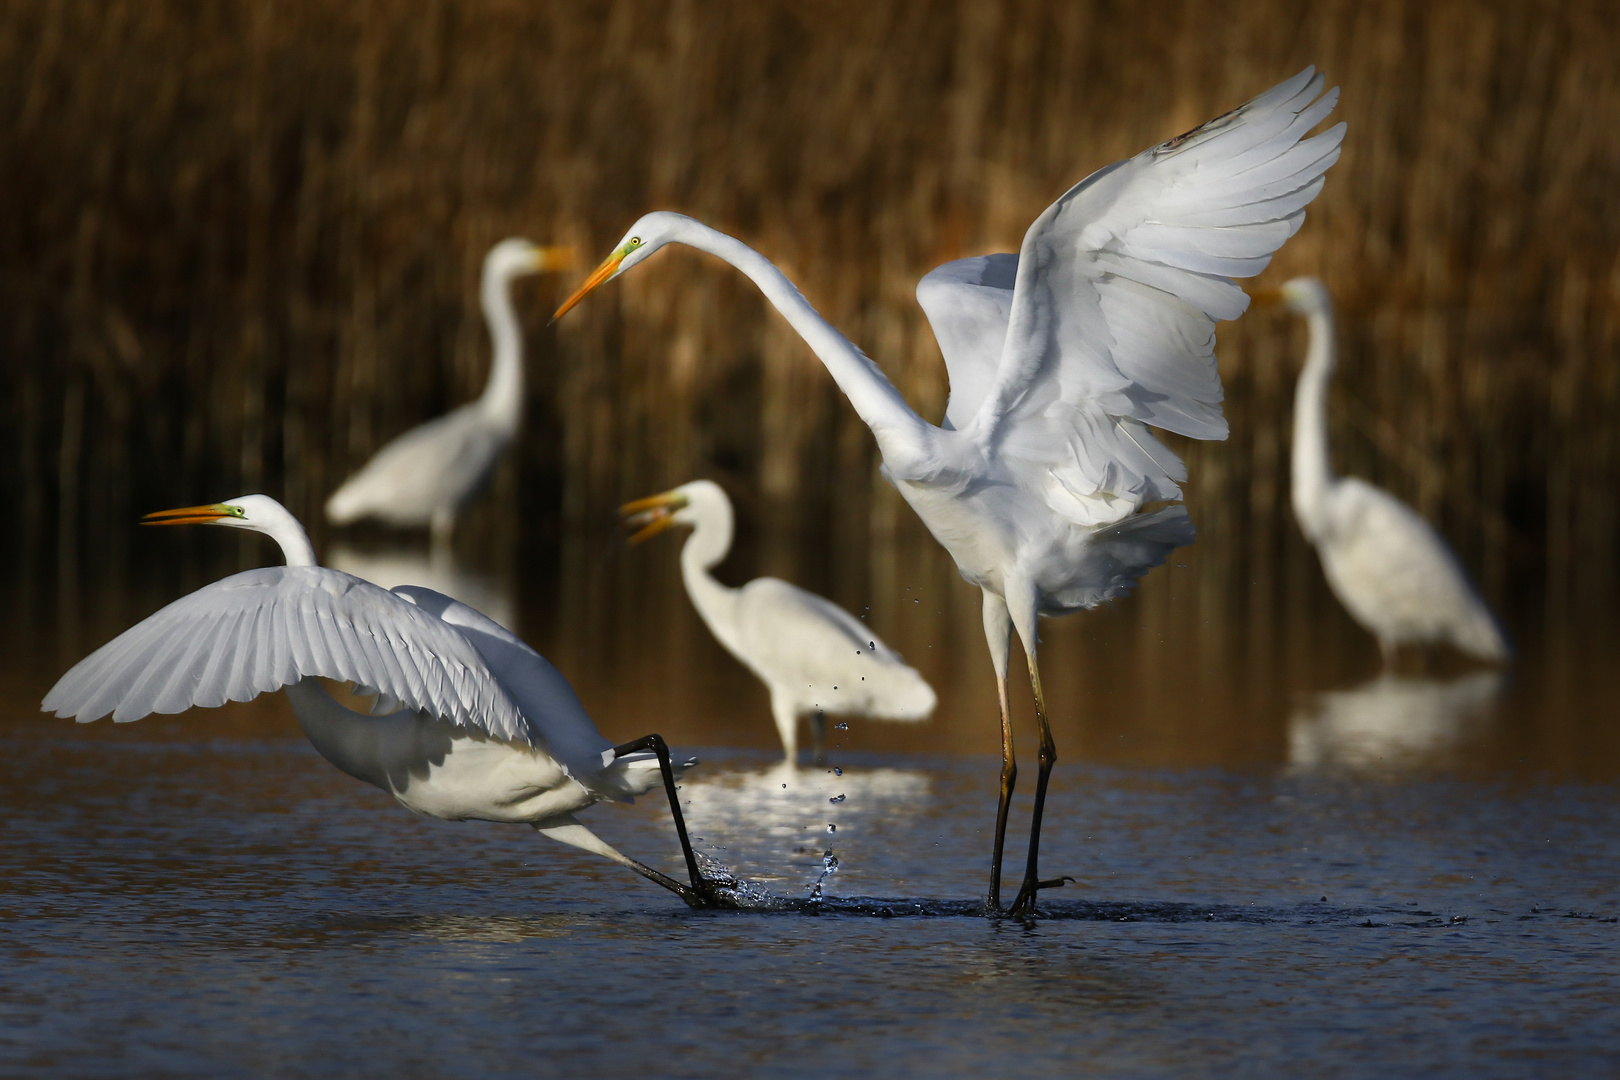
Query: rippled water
1284, 866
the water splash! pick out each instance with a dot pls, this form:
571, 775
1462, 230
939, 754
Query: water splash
829, 863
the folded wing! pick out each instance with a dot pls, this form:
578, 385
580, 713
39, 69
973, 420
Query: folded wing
556, 716
257, 631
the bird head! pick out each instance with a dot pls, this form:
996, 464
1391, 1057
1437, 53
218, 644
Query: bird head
700, 500
515, 257
256, 512
646, 236
1301, 295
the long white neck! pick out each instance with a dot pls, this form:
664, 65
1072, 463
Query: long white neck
267, 516
1312, 468
502, 399
383, 750
705, 549
898, 429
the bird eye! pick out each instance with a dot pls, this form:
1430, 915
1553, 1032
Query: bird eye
635, 241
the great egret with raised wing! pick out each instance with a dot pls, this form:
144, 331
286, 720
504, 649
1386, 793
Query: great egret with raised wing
1060, 357
815, 657
1388, 567
468, 723
425, 476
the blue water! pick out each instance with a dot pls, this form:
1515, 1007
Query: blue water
175, 905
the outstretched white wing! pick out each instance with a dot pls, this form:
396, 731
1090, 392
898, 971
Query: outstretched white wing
260, 630
968, 303
1119, 284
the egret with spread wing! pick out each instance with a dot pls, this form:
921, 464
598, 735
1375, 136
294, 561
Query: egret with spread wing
1388, 567
815, 657
426, 475
1060, 359
469, 722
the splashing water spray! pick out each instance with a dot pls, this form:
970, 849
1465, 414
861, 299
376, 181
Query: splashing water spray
829, 863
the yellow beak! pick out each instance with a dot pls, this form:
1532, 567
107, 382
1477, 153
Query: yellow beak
554, 258
601, 274
189, 515
651, 516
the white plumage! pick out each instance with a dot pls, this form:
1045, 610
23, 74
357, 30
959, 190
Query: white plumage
1390, 569
814, 656
471, 724
426, 475
1060, 358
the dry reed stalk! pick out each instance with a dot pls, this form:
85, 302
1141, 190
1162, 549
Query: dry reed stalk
290, 202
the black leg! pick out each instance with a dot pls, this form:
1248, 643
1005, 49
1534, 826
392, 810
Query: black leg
700, 888
1024, 903
1009, 777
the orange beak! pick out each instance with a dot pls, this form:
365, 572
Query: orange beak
189, 515
601, 274
651, 516
555, 258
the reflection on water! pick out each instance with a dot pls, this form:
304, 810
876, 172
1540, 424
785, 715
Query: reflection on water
1393, 721
777, 824
436, 569
270, 910
214, 906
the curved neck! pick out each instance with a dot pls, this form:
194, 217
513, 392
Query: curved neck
715, 603
1312, 468
875, 399
502, 399
352, 741
295, 546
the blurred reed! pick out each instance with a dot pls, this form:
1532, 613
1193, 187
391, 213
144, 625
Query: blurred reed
242, 245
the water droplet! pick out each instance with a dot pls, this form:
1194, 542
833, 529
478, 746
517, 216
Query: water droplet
835, 688
784, 787
836, 799
841, 726
840, 772
872, 644
832, 828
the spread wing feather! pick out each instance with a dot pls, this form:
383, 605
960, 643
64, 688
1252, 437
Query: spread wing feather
257, 631
1108, 325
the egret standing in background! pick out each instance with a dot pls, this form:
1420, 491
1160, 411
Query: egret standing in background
425, 476
470, 722
1387, 566
815, 657
1060, 357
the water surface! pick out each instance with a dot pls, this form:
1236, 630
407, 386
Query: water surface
1286, 862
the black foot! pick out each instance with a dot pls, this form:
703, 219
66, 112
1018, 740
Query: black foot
1024, 902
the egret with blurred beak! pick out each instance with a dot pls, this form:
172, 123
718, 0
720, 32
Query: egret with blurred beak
425, 476
468, 721
815, 657
1388, 567
1061, 358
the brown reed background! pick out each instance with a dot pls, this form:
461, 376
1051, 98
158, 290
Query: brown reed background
241, 243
